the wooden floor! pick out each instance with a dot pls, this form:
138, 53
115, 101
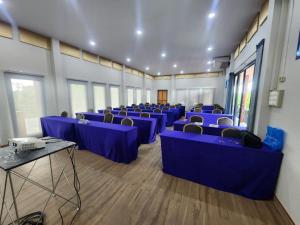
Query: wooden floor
140, 193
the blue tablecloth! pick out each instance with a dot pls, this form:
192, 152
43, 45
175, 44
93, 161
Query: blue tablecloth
221, 163
207, 107
161, 118
203, 111
59, 127
115, 142
207, 129
181, 110
146, 126
208, 117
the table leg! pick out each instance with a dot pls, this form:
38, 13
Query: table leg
3, 196
13, 196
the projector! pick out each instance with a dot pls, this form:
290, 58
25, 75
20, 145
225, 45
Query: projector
23, 144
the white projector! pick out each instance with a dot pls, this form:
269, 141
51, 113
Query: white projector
23, 144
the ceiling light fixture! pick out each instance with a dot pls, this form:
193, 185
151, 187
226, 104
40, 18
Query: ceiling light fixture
128, 59
1, 1
92, 43
209, 62
209, 48
181, 71
158, 73
147, 68
163, 55
211, 15
175, 65
208, 70
139, 32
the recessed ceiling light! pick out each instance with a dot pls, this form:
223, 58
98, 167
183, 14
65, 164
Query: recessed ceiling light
209, 62
209, 48
147, 68
211, 15
128, 59
175, 65
139, 32
1, 2
181, 71
92, 43
163, 55
208, 70
158, 73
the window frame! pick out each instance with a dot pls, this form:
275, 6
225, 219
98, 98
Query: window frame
119, 87
69, 82
136, 100
133, 94
105, 99
149, 96
10, 98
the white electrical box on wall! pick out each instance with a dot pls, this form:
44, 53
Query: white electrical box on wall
275, 98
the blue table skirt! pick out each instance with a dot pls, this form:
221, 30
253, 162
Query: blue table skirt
161, 118
207, 129
203, 111
115, 142
146, 126
172, 114
208, 117
208, 107
221, 163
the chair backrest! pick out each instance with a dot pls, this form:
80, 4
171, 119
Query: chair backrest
225, 121
165, 108
64, 114
108, 118
147, 107
157, 110
122, 106
231, 133
80, 116
127, 122
173, 107
192, 128
198, 109
217, 111
122, 113
105, 111
109, 107
137, 110
145, 115
198, 119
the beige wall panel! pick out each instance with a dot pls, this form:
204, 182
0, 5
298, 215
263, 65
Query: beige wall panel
5, 30
105, 62
243, 44
253, 29
35, 39
237, 52
90, 57
117, 66
70, 50
264, 13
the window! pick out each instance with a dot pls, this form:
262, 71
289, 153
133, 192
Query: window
114, 96
99, 97
181, 96
241, 96
78, 96
26, 99
148, 96
138, 96
130, 96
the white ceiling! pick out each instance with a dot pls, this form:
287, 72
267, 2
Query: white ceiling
181, 28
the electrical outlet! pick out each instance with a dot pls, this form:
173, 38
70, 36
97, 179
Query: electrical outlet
282, 79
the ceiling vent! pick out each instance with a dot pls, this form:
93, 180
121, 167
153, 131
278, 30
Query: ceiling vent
221, 62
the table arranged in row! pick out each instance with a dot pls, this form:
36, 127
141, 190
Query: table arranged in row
113, 141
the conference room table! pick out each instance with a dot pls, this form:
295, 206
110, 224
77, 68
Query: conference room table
161, 118
146, 126
172, 114
203, 111
113, 141
209, 118
211, 129
221, 163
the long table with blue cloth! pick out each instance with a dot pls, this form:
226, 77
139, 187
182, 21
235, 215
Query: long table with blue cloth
208, 117
153, 106
172, 114
221, 163
161, 118
211, 129
113, 141
146, 126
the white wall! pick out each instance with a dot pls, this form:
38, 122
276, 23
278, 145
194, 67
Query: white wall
287, 118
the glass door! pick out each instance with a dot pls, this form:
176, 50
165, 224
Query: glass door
26, 98
241, 96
